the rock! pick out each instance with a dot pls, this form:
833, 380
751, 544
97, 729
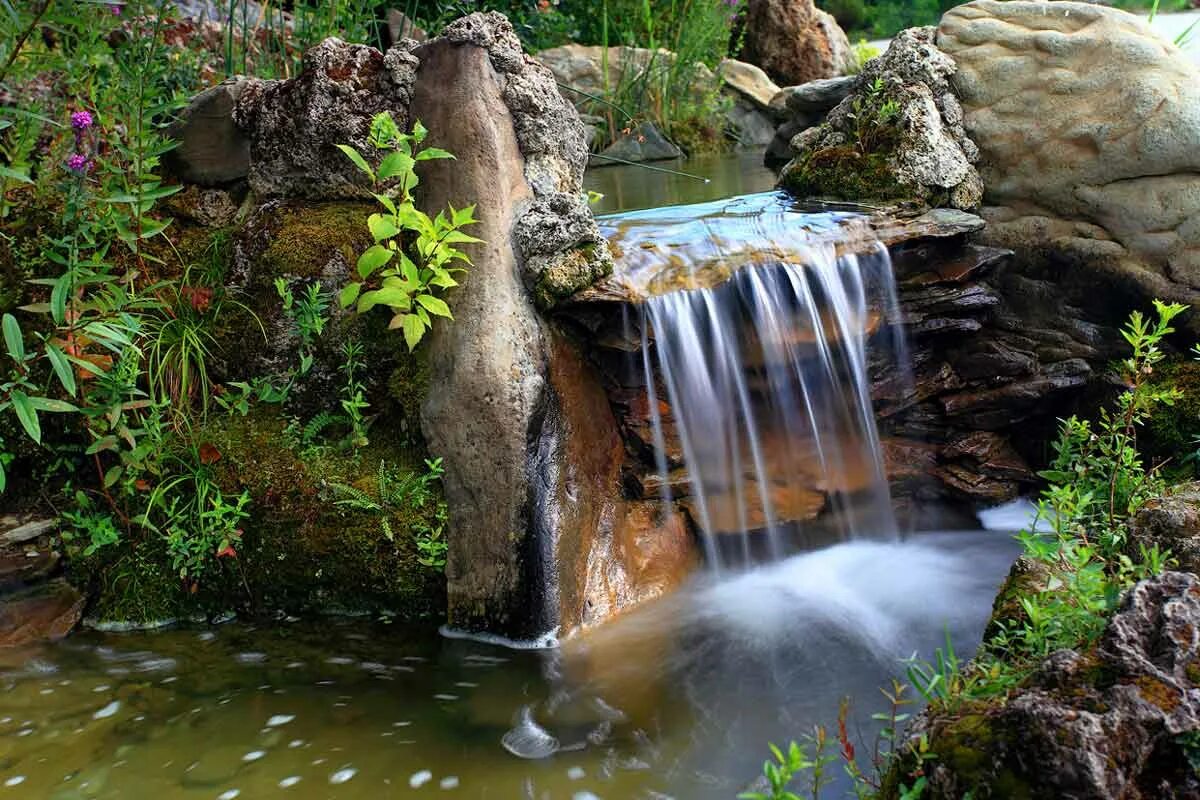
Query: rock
1110, 723
18, 567
583, 68
749, 82
1089, 129
748, 125
1172, 523
293, 126
212, 150
561, 248
21, 528
793, 42
643, 143
43, 613
898, 135
489, 364
817, 96
211, 208
399, 27
524, 510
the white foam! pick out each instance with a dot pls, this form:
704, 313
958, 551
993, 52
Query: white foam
544, 641
1015, 515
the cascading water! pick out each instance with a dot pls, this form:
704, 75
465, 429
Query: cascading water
754, 327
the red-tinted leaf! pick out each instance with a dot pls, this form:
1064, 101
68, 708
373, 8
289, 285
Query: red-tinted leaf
209, 454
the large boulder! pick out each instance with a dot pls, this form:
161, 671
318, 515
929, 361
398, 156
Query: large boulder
793, 41
1118, 721
532, 464
1089, 128
294, 126
897, 136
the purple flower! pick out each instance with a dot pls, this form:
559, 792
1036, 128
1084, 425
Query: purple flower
81, 120
115, 8
77, 162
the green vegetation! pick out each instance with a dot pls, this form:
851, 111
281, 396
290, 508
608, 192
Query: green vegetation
413, 257
191, 470
1060, 595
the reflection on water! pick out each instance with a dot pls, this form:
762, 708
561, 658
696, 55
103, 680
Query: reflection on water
628, 187
676, 700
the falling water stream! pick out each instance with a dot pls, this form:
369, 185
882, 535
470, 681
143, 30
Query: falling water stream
754, 336
756, 326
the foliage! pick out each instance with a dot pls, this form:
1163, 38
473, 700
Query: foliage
413, 258
1096, 483
863, 52
396, 490
810, 767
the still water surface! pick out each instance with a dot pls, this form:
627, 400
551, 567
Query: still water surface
677, 700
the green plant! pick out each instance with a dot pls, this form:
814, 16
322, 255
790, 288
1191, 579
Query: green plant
352, 392
863, 51
84, 521
413, 258
395, 492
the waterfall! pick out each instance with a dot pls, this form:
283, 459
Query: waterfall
755, 319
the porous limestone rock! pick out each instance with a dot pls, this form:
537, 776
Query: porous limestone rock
1171, 522
1115, 722
897, 136
1089, 127
561, 247
793, 41
294, 126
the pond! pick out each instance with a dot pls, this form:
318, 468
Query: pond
677, 700
697, 180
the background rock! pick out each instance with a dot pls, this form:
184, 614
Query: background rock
897, 136
212, 150
793, 41
1089, 128
1172, 523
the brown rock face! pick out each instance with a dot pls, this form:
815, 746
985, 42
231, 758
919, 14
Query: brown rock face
1172, 523
42, 613
793, 42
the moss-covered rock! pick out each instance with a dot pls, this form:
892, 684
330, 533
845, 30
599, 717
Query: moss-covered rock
300, 552
1174, 430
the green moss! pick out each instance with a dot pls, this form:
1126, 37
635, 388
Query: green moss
1174, 430
300, 552
408, 386
304, 237
571, 272
846, 173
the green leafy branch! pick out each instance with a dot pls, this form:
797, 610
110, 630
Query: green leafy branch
413, 258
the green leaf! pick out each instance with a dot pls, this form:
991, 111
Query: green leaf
103, 443
395, 163
113, 475
388, 295
381, 227
3, 479
430, 153
13, 339
435, 305
419, 132
14, 175
375, 257
62, 368
358, 160
27, 414
414, 329
52, 405
349, 294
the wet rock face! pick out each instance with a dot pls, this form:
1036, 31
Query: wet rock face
793, 41
1112, 723
898, 135
294, 125
1089, 128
